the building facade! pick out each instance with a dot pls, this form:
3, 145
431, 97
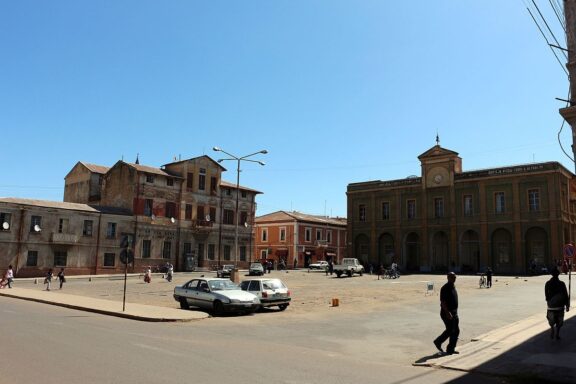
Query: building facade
182, 213
298, 239
510, 219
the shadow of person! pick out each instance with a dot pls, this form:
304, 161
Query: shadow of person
424, 360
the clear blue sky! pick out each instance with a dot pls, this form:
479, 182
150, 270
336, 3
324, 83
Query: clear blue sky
337, 91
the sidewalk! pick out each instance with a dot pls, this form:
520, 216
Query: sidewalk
106, 307
523, 350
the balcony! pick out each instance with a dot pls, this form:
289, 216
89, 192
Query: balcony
64, 238
202, 223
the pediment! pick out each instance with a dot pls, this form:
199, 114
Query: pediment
436, 152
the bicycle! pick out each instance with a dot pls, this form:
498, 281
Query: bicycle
482, 281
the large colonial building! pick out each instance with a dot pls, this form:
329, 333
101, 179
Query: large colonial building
181, 213
299, 239
505, 218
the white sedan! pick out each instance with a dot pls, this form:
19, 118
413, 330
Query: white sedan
319, 265
216, 295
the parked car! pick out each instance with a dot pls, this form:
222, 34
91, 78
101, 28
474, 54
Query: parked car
271, 292
216, 295
256, 269
349, 267
225, 270
319, 265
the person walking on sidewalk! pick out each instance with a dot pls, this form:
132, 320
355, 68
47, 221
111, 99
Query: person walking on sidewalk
556, 298
9, 276
61, 277
48, 279
488, 277
449, 315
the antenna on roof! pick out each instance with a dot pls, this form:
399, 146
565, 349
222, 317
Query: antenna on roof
137, 158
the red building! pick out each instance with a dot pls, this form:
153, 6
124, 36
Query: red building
298, 239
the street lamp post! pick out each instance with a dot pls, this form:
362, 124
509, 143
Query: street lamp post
237, 217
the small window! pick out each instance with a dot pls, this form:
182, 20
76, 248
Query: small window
167, 250
211, 251
111, 231
60, 258
88, 228
188, 213
411, 209
386, 210
200, 216
32, 259
318, 234
499, 202
282, 234
148, 206
228, 216
263, 254
35, 224
146, 248
362, 212
170, 182
202, 179
150, 179
534, 200
63, 225
264, 234
170, 209
308, 235
5, 221
212, 214
329, 236
468, 206
228, 192
190, 181
243, 217
109, 259
243, 194
213, 185
438, 207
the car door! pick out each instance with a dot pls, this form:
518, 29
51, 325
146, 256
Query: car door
204, 297
255, 288
190, 292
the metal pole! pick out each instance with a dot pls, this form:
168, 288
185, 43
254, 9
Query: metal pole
237, 218
125, 278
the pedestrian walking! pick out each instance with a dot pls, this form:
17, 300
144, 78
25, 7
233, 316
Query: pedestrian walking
148, 275
61, 277
9, 277
449, 315
557, 299
488, 277
48, 279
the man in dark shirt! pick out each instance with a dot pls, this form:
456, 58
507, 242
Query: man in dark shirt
557, 298
449, 315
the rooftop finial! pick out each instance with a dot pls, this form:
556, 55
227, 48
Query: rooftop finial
437, 139
137, 160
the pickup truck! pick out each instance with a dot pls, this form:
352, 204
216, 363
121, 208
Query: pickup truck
349, 267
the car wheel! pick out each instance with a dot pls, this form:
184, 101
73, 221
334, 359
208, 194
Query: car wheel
218, 307
339, 273
361, 273
349, 273
184, 303
283, 306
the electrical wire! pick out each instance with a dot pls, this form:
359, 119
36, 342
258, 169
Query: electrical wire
560, 131
557, 12
547, 26
547, 42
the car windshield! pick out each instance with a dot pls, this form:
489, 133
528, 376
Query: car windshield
272, 284
222, 285
255, 265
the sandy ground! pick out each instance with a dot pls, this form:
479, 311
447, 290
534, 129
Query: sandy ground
310, 290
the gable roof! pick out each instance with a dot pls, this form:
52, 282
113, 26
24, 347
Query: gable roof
95, 168
303, 217
196, 158
233, 186
66, 205
437, 151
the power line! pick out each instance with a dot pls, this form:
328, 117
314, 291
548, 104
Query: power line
558, 11
547, 26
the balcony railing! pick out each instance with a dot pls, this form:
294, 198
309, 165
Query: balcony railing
64, 238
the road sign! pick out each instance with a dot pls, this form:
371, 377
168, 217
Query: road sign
126, 256
569, 251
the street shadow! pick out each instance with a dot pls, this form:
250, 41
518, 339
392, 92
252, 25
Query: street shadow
539, 359
424, 360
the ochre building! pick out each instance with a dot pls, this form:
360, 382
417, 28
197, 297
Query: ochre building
513, 219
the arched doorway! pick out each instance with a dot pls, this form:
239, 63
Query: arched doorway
440, 254
412, 251
362, 248
502, 251
385, 249
536, 240
470, 251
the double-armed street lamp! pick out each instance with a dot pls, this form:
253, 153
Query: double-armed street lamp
237, 218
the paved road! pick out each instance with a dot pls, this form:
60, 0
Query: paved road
374, 336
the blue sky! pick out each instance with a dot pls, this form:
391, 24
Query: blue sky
336, 91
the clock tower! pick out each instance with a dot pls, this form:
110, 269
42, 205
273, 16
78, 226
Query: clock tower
439, 166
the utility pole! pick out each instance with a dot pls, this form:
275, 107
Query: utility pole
569, 113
